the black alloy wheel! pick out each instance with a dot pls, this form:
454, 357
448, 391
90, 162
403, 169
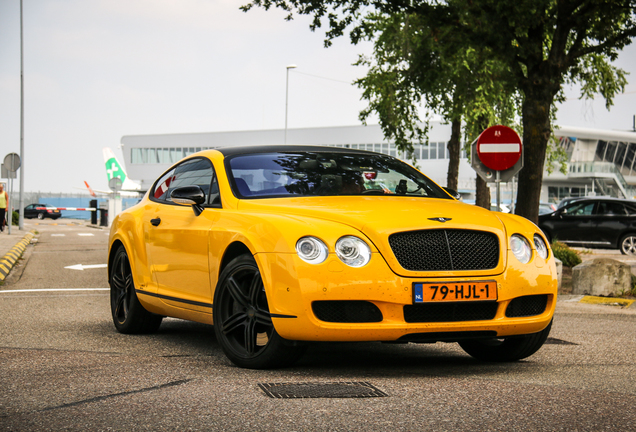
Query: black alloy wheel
40, 216
129, 316
242, 322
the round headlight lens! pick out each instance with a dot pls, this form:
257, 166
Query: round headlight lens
353, 251
520, 248
540, 246
311, 250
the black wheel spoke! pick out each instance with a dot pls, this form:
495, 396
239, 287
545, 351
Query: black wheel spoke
256, 288
121, 306
234, 322
250, 337
236, 293
263, 317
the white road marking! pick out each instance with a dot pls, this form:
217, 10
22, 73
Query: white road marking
58, 235
53, 289
82, 266
85, 234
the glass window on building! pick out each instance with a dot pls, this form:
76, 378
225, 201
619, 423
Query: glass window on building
176, 154
611, 151
152, 155
600, 151
432, 151
392, 150
441, 150
620, 154
385, 148
629, 159
163, 155
425, 151
135, 156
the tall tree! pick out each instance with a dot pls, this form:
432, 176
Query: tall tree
415, 60
544, 44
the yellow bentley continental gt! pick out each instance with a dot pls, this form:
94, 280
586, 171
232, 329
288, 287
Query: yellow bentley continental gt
277, 246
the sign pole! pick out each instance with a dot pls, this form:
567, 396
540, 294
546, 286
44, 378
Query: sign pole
498, 187
21, 205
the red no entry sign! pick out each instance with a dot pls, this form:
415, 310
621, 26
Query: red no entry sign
499, 147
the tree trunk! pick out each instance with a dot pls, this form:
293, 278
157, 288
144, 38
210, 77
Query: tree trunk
536, 134
453, 155
482, 194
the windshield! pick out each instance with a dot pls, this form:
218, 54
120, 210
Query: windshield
266, 175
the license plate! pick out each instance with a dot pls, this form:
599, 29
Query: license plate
454, 291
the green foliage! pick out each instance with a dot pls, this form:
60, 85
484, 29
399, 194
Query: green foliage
15, 218
480, 60
568, 257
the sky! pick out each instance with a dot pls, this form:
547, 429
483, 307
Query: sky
96, 70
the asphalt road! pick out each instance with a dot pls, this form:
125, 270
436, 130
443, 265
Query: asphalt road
64, 367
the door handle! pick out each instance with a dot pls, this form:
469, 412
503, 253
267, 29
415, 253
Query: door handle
155, 222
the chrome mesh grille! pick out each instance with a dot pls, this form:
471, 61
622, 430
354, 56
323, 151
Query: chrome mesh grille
445, 249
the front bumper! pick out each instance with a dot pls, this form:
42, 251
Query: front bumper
293, 286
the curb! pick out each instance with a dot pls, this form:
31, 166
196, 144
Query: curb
10, 258
609, 301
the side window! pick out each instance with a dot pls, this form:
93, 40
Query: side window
580, 209
193, 172
611, 209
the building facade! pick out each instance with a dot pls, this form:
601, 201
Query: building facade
599, 162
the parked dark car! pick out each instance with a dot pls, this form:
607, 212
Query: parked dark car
41, 211
607, 223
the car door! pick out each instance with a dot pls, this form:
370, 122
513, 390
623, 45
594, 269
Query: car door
575, 223
29, 211
178, 240
613, 219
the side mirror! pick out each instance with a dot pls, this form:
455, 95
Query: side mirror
189, 195
453, 193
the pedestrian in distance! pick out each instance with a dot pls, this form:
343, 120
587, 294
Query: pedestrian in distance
4, 205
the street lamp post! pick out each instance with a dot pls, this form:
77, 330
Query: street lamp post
287, 96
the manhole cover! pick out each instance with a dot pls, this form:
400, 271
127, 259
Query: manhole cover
321, 390
556, 341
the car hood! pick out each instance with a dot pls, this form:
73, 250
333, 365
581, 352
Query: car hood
379, 217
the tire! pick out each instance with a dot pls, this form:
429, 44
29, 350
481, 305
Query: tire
242, 323
40, 216
507, 349
129, 316
627, 245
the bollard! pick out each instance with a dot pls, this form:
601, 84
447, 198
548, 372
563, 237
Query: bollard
93, 204
103, 217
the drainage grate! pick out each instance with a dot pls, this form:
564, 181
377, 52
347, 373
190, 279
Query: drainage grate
321, 390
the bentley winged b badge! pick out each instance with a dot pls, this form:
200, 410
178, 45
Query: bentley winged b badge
440, 219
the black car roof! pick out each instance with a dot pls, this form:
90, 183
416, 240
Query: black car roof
231, 151
587, 199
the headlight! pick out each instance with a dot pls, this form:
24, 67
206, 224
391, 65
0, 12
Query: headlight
520, 248
353, 251
311, 250
540, 246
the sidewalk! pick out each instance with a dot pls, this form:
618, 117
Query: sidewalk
11, 247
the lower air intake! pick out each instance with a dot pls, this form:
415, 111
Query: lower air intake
346, 311
527, 306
